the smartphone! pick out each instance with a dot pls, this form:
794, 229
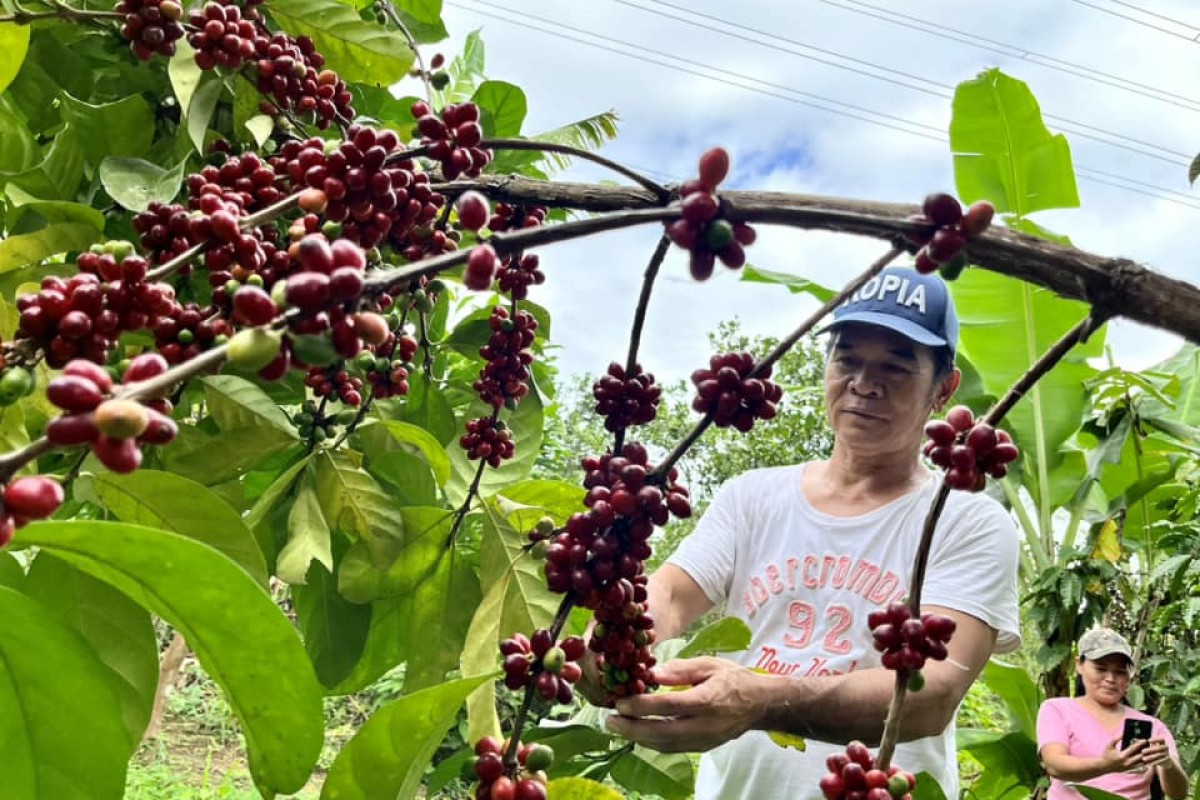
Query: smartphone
1135, 729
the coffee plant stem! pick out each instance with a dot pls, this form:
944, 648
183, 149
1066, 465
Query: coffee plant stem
662, 193
390, 12
639, 316
1044, 364
1079, 333
514, 743
472, 492
661, 471
62, 11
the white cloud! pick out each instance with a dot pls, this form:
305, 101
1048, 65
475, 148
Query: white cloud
669, 117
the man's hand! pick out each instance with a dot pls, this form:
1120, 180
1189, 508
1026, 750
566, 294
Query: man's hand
721, 702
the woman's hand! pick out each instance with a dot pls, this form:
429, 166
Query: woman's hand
1156, 753
1131, 759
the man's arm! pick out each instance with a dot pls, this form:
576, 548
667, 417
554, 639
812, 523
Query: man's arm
726, 700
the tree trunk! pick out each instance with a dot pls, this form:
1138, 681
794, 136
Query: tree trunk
169, 668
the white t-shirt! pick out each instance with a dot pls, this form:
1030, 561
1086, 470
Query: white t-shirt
804, 582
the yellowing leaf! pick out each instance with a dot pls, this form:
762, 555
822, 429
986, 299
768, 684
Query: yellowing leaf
788, 740
1108, 544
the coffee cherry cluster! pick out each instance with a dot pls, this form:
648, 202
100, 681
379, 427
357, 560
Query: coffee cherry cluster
489, 439
189, 332
114, 427
969, 451
944, 231
151, 26
453, 138
497, 782
26, 500
292, 73
735, 399
906, 640
625, 400
68, 318
517, 273
509, 217
361, 189
599, 557
389, 375
551, 668
245, 183
222, 38
502, 381
335, 382
853, 776
330, 274
164, 230
701, 230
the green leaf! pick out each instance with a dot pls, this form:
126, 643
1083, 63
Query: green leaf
1003, 151
436, 616
308, 536
58, 174
526, 425
358, 51
201, 109
18, 150
1017, 690
185, 74
793, 283
13, 435
590, 133
425, 406
726, 635
12, 574
260, 127
580, 789
213, 460
1008, 759
423, 18
47, 229
383, 649
417, 440
280, 488
670, 775
502, 108
118, 630
240, 636
174, 503
559, 499
121, 128
335, 630
14, 44
135, 183
237, 403
426, 533
60, 710
1006, 325
927, 788
516, 600
355, 504
1092, 793
389, 754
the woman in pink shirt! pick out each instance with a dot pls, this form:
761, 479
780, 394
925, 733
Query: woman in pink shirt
1079, 738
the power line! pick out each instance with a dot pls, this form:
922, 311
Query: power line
1150, 13
1003, 48
1135, 20
930, 132
1064, 123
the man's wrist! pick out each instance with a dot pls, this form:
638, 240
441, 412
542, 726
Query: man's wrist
779, 704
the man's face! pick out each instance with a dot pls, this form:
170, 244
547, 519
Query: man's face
880, 388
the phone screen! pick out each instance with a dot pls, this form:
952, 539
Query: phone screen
1135, 729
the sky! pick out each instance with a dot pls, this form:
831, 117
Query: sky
845, 98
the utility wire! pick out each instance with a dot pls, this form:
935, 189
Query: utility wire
1017, 51
1135, 20
924, 131
1150, 13
1062, 122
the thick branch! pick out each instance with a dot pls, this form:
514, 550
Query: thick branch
1116, 286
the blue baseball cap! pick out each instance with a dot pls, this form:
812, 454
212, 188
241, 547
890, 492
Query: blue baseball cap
903, 300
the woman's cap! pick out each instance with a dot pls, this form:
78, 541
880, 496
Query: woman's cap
1101, 642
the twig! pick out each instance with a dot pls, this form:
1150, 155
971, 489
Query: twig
514, 742
390, 11
782, 348
661, 192
61, 11
639, 317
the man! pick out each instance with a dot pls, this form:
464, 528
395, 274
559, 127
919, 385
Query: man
803, 553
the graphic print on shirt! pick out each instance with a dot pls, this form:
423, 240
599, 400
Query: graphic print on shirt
820, 598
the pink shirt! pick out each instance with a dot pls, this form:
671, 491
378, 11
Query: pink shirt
1065, 721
